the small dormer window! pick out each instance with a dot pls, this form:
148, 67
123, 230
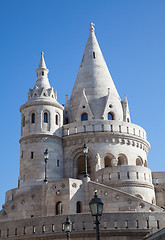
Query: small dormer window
84, 117
42, 73
110, 116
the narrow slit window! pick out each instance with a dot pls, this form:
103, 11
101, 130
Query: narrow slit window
118, 175
32, 155
58, 163
147, 223
115, 223
33, 118
158, 224
126, 224
128, 175
109, 176
23, 121
42, 73
57, 119
43, 228
119, 129
137, 224
45, 117
127, 129
53, 228
137, 175
94, 55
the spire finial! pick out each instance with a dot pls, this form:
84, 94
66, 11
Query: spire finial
91, 29
42, 61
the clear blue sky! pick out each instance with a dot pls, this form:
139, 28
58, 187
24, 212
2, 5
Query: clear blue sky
131, 34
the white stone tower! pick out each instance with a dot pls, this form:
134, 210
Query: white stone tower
95, 115
41, 128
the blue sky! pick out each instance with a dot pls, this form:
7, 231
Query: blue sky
131, 34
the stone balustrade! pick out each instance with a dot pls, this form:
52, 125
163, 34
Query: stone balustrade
80, 223
110, 126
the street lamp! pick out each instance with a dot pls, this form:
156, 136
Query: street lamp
96, 208
85, 151
68, 227
46, 155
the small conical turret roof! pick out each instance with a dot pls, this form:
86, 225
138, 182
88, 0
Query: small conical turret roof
42, 61
42, 74
94, 77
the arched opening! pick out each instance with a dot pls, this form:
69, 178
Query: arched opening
45, 117
110, 161
57, 119
145, 163
84, 117
79, 207
59, 208
139, 196
139, 161
110, 116
122, 160
33, 118
81, 167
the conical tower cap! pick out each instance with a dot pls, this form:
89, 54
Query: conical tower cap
94, 76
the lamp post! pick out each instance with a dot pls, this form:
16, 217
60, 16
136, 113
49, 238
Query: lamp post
96, 208
46, 155
85, 151
68, 227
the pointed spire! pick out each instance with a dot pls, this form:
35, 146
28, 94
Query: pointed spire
42, 61
94, 76
42, 74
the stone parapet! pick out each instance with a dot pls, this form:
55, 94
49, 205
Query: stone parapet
112, 224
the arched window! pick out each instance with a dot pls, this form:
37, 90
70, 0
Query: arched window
45, 117
81, 166
33, 118
42, 73
110, 161
59, 208
139, 161
57, 119
110, 116
84, 117
122, 160
78, 207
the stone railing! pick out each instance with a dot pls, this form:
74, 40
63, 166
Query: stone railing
54, 226
124, 173
104, 126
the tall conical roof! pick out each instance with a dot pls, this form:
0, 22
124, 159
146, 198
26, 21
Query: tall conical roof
42, 74
42, 61
94, 77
